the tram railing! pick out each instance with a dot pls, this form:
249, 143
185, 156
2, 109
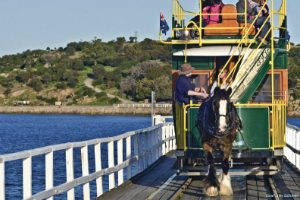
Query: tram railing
292, 148
142, 148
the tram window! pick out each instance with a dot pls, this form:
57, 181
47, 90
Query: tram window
264, 93
201, 80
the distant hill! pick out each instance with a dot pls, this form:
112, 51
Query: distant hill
119, 70
98, 73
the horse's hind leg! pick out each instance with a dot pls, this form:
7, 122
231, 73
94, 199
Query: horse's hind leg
211, 185
225, 180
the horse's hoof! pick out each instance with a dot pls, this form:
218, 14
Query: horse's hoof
225, 186
212, 191
226, 191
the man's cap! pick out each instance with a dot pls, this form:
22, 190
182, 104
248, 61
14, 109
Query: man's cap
186, 68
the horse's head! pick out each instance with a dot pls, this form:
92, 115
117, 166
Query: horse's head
222, 107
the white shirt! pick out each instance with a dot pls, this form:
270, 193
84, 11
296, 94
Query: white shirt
215, 84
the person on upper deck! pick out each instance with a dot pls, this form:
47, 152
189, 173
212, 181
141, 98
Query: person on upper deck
185, 89
265, 11
252, 11
215, 9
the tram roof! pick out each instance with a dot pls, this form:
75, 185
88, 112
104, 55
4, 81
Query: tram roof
212, 51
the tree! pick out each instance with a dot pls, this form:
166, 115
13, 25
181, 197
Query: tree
36, 84
23, 77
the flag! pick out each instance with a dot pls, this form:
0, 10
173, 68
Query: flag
163, 24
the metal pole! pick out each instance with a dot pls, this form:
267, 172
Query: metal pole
152, 107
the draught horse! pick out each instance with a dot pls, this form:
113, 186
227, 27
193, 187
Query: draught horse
218, 123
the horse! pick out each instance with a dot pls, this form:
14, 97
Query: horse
218, 123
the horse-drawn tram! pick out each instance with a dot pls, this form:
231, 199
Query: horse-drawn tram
245, 54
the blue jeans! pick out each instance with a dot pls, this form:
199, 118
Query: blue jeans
264, 29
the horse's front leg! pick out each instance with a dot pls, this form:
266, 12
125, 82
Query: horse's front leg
211, 184
225, 180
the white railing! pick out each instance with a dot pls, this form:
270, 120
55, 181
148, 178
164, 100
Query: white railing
142, 148
292, 148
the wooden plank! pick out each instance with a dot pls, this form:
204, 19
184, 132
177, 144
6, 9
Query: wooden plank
49, 172
70, 172
85, 171
111, 177
2, 180
128, 155
120, 161
27, 177
98, 167
146, 184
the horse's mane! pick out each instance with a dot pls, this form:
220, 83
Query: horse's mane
207, 120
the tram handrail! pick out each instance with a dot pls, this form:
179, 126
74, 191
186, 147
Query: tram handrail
248, 47
148, 145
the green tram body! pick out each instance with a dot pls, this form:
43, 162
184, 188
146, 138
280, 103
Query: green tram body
263, 116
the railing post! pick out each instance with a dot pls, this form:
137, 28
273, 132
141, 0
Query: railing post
85, 171
128, 156
49, 171
167, 137
156, 142
111, 177
120, 161
173, 135
27, 177
136, 153
143, 149
297, 148
160, 147
163, 135
2, 180
98, 167
151, 146
70, 172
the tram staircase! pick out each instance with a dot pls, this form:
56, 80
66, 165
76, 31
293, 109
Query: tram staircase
251, 74
256, 61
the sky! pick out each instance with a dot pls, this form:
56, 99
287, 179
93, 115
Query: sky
38, 24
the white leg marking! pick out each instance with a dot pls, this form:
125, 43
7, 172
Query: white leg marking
225, 186
222, 111
212, 191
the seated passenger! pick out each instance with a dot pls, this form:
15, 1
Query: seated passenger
252, 11
214, 9
263, 15
265, 11
185, 89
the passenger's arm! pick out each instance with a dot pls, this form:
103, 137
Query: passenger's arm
200, 94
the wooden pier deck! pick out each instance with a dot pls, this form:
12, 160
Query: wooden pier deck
160, 181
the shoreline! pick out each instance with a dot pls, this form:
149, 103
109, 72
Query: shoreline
84, 110
95, 110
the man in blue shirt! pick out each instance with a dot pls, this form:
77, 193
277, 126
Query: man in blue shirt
185, 89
